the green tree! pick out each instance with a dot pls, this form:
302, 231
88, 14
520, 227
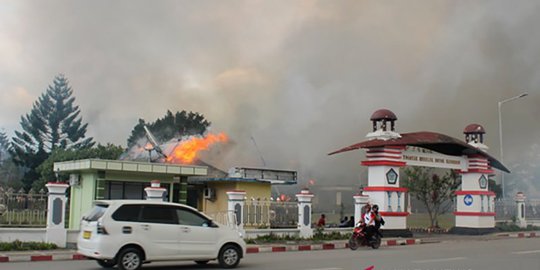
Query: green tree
4, 147
171, 126
10, 174
54, 122
495, 188
45, 170
434, 191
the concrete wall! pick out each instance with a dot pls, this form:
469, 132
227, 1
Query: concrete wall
256, 190
22, 234
220, 203
81, 199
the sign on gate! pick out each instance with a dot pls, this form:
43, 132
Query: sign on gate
425, 158
468, 200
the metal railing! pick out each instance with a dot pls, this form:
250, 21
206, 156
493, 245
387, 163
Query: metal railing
20, 209
227, 218
532, 209
270, 214
505, 209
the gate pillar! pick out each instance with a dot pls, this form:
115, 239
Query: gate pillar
475, 213
56, 210
520, 213
383, 187
360, 200
235, 207
155, 192
304, 213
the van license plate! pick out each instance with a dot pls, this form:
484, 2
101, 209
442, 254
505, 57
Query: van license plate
87, 234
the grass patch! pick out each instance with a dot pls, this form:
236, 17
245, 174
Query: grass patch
421, 220
22, 246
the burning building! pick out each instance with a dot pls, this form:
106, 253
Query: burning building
177, 167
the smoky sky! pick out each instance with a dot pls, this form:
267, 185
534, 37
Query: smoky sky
300, 77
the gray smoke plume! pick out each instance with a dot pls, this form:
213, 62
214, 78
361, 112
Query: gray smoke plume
301, 77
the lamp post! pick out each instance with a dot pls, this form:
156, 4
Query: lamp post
500, 132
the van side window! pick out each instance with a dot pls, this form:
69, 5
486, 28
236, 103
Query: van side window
96, 212
128, 212
190, 218
159, 214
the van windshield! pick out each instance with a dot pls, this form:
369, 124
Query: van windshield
96, 212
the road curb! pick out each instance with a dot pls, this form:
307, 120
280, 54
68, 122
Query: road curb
520, 235
325, 246
41, 257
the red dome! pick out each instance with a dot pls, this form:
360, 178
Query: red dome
474, 129
383, 114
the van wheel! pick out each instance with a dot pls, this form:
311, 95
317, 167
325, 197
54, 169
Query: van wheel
129, 259
229, 256
106, 263
201, 262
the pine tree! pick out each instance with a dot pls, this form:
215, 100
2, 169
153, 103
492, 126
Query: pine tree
54, 122
4, 147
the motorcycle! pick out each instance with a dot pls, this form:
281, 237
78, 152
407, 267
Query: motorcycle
358, 238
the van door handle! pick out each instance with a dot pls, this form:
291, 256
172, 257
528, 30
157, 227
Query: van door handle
185, 229
145, 227
126, 229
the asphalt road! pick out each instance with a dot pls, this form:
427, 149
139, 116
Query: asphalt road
455, 255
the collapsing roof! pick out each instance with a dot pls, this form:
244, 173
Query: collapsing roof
246, 174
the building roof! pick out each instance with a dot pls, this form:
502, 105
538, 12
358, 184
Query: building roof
430, 140
129, 166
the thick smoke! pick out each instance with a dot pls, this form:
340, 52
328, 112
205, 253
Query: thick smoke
301, 78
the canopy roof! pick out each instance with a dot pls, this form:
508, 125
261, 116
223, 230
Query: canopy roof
430, 140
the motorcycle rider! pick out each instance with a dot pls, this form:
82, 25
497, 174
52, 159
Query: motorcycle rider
368, 219
378, 219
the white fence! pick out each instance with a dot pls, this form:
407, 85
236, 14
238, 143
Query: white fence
270, 214
20, 209
506, 210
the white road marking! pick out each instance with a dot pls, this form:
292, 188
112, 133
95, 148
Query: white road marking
526, 252
440, 260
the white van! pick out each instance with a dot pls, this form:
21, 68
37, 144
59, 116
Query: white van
128, 233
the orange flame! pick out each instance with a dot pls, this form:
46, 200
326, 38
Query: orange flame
186, 151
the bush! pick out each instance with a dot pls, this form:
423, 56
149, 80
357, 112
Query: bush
318, 235
511, 227
21, 246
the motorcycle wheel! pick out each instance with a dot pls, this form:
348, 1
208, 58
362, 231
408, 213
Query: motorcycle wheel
376, 242
353, 243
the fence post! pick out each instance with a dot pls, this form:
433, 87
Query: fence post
235, 205
155, 192
360, 200
520, 213
304, 213
56, 205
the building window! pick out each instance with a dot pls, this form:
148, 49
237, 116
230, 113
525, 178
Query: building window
118, 190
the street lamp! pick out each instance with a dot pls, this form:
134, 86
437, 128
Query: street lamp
500, 133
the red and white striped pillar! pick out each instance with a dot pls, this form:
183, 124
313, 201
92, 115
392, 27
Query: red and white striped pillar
475, 203
383, 185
